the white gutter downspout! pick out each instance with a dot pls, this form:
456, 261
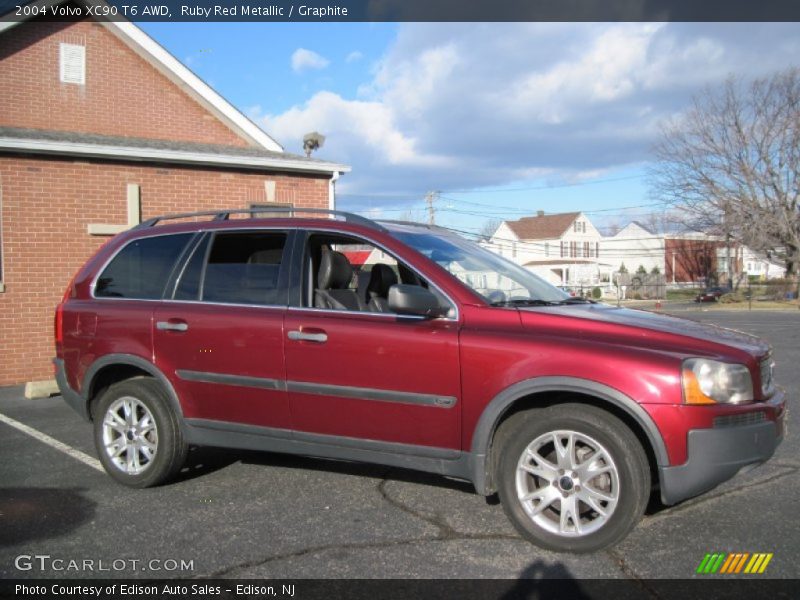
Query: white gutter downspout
332, 190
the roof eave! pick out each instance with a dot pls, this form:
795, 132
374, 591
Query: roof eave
53, 148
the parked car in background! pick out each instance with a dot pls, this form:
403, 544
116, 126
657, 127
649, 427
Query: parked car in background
432, 353
711, 294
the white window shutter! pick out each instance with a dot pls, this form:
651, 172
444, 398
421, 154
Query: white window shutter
73, 63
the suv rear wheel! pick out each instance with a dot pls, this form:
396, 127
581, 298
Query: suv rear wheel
137, 434
572, 477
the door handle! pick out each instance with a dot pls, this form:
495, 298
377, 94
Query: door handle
171, 326
320, 337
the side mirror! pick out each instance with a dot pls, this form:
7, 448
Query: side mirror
407, 299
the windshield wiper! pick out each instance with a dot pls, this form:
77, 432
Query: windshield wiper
576, 300
526, 302
540, 302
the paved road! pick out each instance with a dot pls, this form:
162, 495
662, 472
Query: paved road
243, 514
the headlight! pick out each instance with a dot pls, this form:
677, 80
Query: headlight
710, 381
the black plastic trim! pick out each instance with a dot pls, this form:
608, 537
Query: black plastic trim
716, 455
305, 387
75, 401
135, 361
443, 461
482, 437
225, 379
346, 391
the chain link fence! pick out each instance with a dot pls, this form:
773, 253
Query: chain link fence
628, 288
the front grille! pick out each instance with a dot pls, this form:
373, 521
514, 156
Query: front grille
749, 418
767, 367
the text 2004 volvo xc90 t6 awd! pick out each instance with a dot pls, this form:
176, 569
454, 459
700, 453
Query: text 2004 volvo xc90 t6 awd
405, 345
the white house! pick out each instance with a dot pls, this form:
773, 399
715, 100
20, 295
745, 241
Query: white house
758, 265
634, 246
562, 248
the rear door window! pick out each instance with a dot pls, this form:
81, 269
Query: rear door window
245, 268
141, 269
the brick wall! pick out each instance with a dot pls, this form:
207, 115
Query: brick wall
46, 207
123, 96
694, 260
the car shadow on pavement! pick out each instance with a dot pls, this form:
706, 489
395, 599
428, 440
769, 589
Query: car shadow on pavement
357, 469
205, 460
28, 514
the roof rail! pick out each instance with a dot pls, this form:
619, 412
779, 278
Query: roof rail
224, 215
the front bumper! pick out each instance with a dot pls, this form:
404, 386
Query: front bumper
716, 455
71, 397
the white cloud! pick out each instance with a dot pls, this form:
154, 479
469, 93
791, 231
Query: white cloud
355, 127
354, 56
303, 59
452, 106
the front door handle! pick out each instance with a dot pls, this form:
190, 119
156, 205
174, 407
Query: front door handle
320, 336
172, 326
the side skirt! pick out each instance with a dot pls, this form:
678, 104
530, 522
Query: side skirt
443, 461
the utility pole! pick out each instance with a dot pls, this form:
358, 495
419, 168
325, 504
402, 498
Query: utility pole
430, 197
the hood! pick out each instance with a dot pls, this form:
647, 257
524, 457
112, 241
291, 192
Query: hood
656, 322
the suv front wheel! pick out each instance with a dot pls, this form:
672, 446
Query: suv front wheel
137, 434
571, 477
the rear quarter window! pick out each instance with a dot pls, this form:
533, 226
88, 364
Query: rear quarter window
141, 269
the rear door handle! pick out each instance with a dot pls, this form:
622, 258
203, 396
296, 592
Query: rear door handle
172, 326
320, 337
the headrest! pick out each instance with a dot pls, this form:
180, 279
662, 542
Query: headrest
381, 278
266, 257
335, 271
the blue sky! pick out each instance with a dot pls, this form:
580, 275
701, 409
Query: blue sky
502, 119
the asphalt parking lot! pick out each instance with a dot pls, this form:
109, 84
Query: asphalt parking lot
244, 514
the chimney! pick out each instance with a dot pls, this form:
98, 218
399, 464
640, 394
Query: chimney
539, 213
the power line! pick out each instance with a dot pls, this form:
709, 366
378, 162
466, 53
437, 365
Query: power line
500, 190
544, 187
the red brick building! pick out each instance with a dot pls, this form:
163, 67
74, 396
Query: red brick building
100, 127
700, 259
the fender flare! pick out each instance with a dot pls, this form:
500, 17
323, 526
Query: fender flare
132, 360
487, 423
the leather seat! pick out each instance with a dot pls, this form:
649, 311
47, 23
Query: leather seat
381, 278
333, 279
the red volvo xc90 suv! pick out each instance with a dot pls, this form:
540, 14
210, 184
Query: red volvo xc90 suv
404, 345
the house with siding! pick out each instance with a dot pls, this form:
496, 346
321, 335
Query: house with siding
100, 128
562, 248
635, 246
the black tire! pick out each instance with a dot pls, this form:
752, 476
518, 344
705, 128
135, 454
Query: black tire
164, 443
627, 471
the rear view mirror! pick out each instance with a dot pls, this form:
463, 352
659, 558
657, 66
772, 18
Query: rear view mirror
407, 299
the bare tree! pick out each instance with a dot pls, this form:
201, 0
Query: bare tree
732, 163
489, 228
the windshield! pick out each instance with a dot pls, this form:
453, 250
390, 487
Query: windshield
499, 281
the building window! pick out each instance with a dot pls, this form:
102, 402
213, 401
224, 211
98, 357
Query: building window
513, 249
597, 249
583, 226
72, 61
547, 248
575, 227
573, 249
587, 250
563, 249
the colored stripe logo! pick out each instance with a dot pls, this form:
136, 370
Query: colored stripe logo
734, 563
